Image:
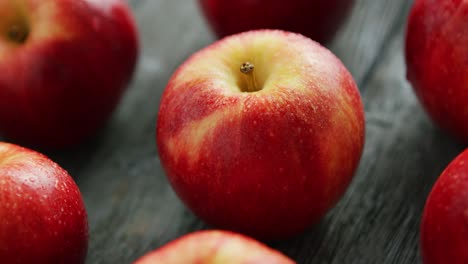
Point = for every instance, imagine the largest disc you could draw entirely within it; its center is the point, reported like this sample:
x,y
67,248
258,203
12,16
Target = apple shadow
x,y
74,159
307,245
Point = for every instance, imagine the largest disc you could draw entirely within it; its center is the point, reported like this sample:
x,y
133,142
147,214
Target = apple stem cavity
x,y
247,68
17,33
16,25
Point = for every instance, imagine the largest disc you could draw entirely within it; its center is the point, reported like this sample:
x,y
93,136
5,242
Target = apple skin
x,y
267,163
214,246
59,86
444,226
318,19
43,218
437,65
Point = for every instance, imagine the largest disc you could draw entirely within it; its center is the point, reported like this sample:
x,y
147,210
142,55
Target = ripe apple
x,y
42,215
318,19
444,227
210,247
261,132
437,61
64,64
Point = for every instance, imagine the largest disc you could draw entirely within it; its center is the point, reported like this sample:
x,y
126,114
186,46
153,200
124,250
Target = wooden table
x,y
132,209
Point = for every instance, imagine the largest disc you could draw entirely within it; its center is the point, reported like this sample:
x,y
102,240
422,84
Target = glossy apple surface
x,y
437,62
317,19
64,65
42,215
213,247
444,227
265,152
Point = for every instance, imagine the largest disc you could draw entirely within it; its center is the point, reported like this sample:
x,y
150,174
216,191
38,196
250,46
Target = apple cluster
x,y
259,133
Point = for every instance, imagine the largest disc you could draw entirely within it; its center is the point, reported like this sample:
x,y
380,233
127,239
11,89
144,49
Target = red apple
x,y
261,132
64,65
317,19
210,247
42,215
444,227
437,61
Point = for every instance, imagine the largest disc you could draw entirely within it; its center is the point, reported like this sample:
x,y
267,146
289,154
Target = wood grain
x,y
132,209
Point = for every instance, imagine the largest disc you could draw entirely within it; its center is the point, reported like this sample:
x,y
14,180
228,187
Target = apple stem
x,y
247,69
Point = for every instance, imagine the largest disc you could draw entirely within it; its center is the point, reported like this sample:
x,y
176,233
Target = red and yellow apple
x,y
261,132
437,62
210,247
444,226
64,65
43,218
317,19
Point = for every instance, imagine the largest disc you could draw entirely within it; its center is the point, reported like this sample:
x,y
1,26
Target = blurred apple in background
x,y
316,19
444,227
437,61
261,132
212,247
64,65
43,218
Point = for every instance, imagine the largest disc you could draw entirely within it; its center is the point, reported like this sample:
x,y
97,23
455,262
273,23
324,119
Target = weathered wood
x,y
132,209
368,31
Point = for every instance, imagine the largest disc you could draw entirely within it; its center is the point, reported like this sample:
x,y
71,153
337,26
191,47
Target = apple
x,y
437,64
64,65
444,225
318,19
42,214
214,246
261,132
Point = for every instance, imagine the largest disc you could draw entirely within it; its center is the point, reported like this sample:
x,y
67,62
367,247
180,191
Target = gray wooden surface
x,y
133,210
